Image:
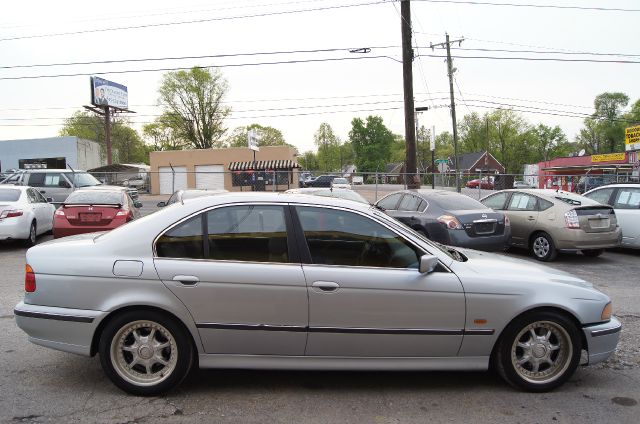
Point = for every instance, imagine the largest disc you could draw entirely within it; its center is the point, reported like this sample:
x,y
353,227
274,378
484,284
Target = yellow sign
x,y
632,135
608,157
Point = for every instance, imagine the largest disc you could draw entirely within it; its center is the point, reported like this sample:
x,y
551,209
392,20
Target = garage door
x,y
210,177
167,182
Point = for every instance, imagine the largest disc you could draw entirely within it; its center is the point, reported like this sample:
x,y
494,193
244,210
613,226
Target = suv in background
x,y
587,183
321,181
57,184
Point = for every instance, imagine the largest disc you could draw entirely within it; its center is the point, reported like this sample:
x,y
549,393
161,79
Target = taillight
x,y
451,222
571,219
122,213
29,279
59,212
11,213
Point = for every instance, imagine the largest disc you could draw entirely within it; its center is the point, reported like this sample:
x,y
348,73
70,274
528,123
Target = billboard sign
x,y
609,157
252,140
108,93
632,138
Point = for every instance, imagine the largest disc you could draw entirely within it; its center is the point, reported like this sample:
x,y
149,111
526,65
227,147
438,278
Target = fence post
x,y
275,180
376,187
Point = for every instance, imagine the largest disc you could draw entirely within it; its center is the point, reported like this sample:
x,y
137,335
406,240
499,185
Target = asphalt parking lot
x,y
42,385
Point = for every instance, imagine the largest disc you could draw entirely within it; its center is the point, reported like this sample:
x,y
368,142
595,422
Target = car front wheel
x,y
145,353
538,351
542,247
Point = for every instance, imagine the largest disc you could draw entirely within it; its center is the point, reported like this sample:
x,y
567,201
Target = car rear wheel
x,y
145,353
538,351
31,239
592,253
542,247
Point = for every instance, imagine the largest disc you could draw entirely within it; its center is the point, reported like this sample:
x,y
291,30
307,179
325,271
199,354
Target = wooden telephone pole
x,y
411,175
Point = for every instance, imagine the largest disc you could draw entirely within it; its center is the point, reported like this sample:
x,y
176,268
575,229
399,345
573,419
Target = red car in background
x,y
91,210
484,184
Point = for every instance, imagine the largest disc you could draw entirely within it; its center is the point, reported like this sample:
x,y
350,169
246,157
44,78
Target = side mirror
x,y
162,204
428,263
50,199
137,204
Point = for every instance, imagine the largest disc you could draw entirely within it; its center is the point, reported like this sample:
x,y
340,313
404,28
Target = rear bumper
x,y
72,231
493,243
580,240
14,228
602,340
68,330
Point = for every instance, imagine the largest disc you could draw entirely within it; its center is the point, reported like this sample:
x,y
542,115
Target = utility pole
x,y
107,134
450,71
407,75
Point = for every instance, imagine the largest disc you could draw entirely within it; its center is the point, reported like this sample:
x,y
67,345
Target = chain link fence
x,y
373,186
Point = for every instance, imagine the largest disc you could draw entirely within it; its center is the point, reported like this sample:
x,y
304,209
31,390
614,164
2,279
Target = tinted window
x,y
54,180
627,198
457,202
9,195
522,202
82,179
544,204
409,203
496,201
248,233
390,202
601,196
36,179
337,237
182,241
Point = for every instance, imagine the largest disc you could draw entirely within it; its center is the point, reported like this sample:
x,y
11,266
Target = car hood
x,y
514,270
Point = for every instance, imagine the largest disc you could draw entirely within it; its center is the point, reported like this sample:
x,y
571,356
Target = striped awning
x,y
263,165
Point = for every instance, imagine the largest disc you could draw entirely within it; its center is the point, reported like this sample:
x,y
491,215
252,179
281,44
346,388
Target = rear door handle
x,y
326,286
187,280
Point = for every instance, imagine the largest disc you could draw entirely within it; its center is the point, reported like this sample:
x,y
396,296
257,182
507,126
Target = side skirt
x,y
336,363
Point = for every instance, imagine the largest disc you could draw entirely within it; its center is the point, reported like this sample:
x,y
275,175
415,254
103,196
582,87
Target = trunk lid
x,y
596,219
90,215
480,222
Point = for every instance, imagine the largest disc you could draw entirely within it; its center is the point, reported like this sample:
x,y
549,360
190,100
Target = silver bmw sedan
x,y
281,281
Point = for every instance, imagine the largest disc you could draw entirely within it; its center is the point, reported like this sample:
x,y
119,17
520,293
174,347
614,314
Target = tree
x,y
269,136
371,142
550,142
162,136
193,106
603,132
124,139
329,153
423,148
398,149
309,161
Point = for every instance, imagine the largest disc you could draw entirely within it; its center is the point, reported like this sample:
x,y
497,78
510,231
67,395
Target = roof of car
x,y
50,170
625,185
14,187
555,195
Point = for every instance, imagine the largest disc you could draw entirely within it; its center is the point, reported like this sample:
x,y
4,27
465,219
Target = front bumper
x,y
602,340
68,330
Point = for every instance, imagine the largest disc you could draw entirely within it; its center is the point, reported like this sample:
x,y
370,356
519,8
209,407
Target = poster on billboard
x,y
108,93
252,140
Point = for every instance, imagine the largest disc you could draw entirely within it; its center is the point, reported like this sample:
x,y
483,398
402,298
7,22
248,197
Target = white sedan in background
x,y
625,199
24,214
340,183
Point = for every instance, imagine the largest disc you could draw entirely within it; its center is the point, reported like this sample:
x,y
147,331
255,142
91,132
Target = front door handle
x,y
326,286
187,280
531,218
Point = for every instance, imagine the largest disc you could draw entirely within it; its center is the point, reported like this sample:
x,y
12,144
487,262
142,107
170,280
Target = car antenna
x,y
73,171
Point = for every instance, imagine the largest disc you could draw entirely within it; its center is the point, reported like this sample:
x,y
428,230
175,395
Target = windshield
x,y
83,179
102,197
456,202
9,195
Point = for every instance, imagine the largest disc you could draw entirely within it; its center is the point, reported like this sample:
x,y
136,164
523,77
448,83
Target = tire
x,y
555,353
592,253
542,247
164,353
32,238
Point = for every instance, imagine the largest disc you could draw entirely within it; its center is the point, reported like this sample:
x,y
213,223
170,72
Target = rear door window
x,y
390,202
496,201
182,241
409,203
627,198
522,202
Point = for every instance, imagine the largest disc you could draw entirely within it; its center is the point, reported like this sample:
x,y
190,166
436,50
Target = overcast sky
x,y
297,97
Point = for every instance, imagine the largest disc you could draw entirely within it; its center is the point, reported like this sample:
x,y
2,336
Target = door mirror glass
x,y
137,204
50,199
161,204
428,264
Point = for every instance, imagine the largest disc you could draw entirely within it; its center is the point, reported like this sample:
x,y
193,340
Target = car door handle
x,y
42,191
326,286
531,218
187,280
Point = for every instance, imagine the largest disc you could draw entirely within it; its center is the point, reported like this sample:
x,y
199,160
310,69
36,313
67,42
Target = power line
x,y
179,68
192,21
211,56
541,59
529,5
548,52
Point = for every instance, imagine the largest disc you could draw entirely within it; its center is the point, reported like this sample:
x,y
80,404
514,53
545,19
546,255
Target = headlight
x,y
606,312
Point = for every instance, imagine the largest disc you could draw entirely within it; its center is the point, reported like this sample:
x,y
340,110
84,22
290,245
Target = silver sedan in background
x,y
282,281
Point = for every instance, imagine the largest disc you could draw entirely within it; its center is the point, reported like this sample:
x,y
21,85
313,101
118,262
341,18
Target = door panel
x,y
384,312
232,299
522,211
